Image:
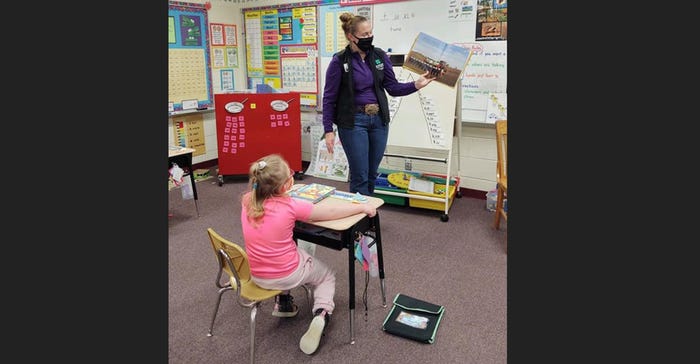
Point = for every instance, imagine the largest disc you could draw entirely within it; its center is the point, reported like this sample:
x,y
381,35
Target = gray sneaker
x,y
309,342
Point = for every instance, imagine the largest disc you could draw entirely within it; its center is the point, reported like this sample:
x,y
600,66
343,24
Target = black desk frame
x,y
184,161
345,239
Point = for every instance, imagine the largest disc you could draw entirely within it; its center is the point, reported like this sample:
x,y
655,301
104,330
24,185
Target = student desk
x,y
341,234
183,158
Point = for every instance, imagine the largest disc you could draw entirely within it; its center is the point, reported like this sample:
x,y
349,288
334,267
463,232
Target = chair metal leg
x,y
216,309
253,312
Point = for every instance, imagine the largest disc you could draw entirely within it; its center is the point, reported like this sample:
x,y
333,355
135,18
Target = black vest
x,y
345,107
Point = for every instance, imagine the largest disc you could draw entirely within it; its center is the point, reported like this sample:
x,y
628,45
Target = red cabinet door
x,y
251,125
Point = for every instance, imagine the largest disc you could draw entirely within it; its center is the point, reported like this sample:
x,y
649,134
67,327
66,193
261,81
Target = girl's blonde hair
x,y
350,22
266,178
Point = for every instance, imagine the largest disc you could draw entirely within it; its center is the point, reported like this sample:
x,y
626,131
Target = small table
x,y
341,233
183,158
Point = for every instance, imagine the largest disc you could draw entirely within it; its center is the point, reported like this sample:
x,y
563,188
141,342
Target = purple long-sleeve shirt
x,y
363,83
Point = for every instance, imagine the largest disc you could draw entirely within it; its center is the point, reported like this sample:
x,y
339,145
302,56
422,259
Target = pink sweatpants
x,y
310,271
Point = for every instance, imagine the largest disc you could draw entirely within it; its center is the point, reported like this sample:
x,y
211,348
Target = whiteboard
x,y
423,119
397,24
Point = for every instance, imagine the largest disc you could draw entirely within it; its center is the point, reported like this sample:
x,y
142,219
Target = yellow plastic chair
x,y
234,261
501,170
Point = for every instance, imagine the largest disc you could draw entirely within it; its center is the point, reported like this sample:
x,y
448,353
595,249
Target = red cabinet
x,y
252,125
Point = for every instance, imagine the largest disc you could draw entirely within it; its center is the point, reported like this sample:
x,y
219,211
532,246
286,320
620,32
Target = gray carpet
x,y
460,264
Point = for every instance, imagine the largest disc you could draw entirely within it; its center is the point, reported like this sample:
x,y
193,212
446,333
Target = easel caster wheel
x,y
221,180
444,217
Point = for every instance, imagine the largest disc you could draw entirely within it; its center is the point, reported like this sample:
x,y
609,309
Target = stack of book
x,y
313,192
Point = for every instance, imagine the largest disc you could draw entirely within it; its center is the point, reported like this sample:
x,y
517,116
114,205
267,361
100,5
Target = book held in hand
x,y
313,192
442,60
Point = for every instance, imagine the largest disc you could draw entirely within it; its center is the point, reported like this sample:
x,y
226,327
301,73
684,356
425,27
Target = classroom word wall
x,y
281,50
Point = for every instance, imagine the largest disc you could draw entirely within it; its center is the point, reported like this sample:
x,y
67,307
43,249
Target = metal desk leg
x,y
351,300
194,189
378,239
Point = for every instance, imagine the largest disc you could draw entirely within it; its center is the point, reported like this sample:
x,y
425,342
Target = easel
x,y
422,128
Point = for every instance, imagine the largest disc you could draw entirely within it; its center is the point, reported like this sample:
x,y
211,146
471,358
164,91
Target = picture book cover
x,y
331,166
313,192
444,60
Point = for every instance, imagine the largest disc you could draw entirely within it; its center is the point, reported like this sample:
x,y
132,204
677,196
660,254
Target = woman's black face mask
x,y
365,43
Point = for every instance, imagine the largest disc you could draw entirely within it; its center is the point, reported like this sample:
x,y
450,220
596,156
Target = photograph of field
x,y
440,59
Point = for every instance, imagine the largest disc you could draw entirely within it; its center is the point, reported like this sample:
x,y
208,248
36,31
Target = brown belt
x,y
369,109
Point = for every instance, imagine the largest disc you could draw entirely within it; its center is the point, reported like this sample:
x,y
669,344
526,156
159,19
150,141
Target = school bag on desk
x,y
413,319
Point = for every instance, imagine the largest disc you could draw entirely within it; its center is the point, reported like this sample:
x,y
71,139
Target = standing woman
x,y
354,99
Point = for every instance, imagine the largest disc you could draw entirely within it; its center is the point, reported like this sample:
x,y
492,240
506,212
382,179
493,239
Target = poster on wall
x,y
189,132
217,34
299,70
230,35
217,57
232,57
227,84
189,67
486,73
497,107
492,20
297,26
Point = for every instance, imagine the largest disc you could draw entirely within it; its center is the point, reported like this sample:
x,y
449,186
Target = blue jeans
x,y
364,145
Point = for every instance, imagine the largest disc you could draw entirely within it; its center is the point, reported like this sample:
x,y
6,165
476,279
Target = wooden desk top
x,y
182,150
346,222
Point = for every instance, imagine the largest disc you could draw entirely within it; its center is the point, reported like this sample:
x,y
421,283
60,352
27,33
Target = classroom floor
x,y
460,264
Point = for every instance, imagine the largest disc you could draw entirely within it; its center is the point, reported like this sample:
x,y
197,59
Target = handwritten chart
x,y
486,73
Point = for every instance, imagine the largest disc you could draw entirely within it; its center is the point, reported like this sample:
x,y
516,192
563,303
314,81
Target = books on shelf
x,y
313,192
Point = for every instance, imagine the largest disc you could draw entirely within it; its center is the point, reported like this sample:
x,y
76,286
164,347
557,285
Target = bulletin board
x,y
189,67
281,50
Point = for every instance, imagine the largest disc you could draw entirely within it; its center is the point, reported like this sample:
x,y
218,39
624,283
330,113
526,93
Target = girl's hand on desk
x,y
370,210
